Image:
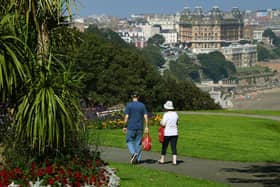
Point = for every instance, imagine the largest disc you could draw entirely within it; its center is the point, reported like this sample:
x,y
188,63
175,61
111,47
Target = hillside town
x,y
236,34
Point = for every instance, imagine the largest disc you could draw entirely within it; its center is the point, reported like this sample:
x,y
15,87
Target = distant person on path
x,y
170,123
135,115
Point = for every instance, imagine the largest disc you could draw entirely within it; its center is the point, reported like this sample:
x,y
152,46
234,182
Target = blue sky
x,y
123,8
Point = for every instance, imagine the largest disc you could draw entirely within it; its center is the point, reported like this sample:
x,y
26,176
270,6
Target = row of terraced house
x,y
200,31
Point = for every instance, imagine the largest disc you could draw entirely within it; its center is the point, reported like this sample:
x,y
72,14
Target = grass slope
x,y
213,137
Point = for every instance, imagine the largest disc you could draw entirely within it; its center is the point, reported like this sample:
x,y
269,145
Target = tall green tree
x,y
215,66
184,68
153,55
157,40
263,53
272,37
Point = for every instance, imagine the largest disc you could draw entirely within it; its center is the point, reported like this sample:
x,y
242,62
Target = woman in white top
x,y
169,122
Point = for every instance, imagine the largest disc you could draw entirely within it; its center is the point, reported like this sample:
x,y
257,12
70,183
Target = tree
x,y
153,55
272,37
215,66
184,69
114,72
186,96
263,53
269,33
157,40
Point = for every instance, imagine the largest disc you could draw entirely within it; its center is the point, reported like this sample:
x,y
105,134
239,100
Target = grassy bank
x,y
213,137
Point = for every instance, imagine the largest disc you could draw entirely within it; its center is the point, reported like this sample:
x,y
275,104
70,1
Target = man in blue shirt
x,y
135,115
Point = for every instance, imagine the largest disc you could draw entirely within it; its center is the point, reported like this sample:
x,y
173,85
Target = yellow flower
x,y
104,125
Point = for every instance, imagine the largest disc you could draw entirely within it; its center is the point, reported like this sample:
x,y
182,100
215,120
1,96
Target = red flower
x,y
3,172
49,169
78,184
75,173
17,171
93,179
61,172
70,172
64,181
51,181
89,164
57,178
97,162
47,162
78,176
86,178
41,172
33,165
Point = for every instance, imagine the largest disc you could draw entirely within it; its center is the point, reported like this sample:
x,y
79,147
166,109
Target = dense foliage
x,y
269,52
212,66
272,37
265,53
115,70
185,69
215,66
41,118
153,55
41,91
156,40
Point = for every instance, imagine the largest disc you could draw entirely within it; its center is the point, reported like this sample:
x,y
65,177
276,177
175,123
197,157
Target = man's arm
x,y
146,130
125,123
125,120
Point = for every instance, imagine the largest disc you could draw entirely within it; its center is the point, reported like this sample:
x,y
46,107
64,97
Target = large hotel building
x,y
210,30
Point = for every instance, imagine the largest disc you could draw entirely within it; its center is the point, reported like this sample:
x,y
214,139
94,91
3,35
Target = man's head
x,y
135,95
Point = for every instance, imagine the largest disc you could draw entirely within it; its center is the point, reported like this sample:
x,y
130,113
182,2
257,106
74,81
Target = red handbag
x,y
147,142
161,134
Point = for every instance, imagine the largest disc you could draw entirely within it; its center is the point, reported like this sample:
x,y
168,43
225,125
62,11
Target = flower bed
x,y
76,172
116,121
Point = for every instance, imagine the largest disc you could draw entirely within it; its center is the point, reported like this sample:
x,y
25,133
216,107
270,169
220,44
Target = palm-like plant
x,y
50,110
12,56
47,111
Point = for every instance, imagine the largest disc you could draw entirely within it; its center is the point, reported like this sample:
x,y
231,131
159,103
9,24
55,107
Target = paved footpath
x,y
237,174
234,173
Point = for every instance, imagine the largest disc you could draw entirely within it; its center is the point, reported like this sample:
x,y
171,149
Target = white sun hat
x,y
168,105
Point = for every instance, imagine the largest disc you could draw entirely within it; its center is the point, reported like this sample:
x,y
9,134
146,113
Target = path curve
x,y
238,174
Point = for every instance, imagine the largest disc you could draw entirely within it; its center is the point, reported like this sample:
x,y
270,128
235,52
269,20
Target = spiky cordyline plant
x,y
50,110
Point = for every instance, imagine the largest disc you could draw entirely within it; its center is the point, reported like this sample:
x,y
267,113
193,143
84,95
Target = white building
x,y
170,36
167,22
79,24
149,30
241,55
258,35
224,100
125,36
133,36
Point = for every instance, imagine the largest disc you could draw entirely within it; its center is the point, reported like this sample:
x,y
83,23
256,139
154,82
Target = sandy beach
x,y
260,100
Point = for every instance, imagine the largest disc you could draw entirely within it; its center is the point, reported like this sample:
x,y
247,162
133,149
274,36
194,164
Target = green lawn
x,y
255,112
213,137
130,176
